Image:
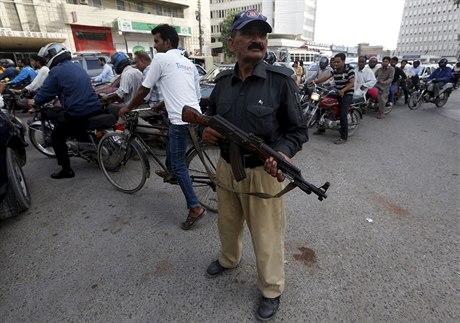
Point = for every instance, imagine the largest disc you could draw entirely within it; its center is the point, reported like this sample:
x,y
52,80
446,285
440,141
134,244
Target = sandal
x,y
190,221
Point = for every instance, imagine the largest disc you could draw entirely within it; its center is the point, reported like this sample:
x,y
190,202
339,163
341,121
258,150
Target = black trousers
x,y
344,103
66,126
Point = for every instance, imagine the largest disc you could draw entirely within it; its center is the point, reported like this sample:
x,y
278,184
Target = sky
x,y
367,21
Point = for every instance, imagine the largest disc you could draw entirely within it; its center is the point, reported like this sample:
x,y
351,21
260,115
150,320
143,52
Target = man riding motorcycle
x,y
79,102
440,76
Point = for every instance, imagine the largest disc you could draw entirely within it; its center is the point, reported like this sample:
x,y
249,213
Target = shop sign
x,y
143,27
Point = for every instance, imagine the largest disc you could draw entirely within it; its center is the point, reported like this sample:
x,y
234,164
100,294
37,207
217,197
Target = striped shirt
x,y
341,79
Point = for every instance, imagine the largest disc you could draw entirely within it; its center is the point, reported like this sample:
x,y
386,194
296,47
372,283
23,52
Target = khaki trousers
x,y
383,98
265,219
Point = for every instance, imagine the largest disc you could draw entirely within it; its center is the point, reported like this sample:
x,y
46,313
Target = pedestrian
x,y
298,72
260,99
384,76
178,80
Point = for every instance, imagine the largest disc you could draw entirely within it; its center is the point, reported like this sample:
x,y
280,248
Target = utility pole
x,y
200,31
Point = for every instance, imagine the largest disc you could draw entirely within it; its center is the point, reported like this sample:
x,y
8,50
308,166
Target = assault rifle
x,y
254,144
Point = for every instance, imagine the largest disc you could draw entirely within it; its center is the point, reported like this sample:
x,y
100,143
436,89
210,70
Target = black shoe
x,y
267,308
319,132
215,269
340,141
63,173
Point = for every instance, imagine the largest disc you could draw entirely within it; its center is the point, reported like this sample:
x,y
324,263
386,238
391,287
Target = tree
x,y
225,32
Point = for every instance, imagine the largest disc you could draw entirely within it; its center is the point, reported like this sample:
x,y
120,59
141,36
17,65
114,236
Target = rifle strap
x,y
261,195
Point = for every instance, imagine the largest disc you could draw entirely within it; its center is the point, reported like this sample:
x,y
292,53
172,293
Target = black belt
x,y
249,161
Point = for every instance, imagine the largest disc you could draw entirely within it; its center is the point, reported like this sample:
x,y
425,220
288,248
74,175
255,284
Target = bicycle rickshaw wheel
x,y
125,164
203,185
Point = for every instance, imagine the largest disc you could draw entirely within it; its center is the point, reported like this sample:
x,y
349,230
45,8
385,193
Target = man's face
x,y
385,62
20,63
442,65
393,63
416,64
372,63
161,46
361,63
249,43
403,64
101,63
34,63
338,63
140,64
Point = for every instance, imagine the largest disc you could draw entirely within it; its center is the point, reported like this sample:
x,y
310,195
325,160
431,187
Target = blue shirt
x,y
105,76
9,72
443,75
72,85
26,75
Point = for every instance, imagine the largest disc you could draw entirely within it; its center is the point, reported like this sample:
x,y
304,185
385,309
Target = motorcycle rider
x,y
9,69
440,76
384,76
324,70
364,77
415,71
399,79
79,102
39,64
130,81
373,64
25,76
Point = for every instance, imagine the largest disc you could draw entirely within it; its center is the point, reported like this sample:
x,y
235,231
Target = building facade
x,y
429,29
101,25
293,20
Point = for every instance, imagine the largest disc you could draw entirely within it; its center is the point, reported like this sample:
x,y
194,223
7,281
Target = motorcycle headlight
x,y
314,96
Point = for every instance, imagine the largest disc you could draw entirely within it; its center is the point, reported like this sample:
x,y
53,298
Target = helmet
x,y
270,57
443,61
119,61
323,62
54,53
6,62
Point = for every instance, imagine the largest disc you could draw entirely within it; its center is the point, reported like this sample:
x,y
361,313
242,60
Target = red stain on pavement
x,y
307,256
390,206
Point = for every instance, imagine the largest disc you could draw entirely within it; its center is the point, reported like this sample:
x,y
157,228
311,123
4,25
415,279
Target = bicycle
x,y
123,158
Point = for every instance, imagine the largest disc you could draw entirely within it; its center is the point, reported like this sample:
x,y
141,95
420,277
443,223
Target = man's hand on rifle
x,y
271,167
211,137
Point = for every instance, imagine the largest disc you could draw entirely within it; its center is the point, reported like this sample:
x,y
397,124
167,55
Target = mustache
x,y
256,46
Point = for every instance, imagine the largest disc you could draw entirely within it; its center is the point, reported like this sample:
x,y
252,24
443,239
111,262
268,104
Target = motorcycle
x,y
14,192
372,102
325,103
41,126
423,95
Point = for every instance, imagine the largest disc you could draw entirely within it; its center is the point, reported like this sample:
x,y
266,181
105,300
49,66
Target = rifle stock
x,y
256,145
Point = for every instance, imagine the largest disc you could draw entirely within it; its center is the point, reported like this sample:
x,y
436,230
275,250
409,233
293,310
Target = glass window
x,y
121,5
97,3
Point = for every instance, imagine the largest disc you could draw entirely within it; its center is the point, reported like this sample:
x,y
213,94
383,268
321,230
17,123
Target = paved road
x,y
87,253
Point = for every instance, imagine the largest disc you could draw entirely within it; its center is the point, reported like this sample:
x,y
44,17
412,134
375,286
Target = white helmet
x,y
51,51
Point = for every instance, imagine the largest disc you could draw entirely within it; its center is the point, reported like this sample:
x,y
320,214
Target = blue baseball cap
x,y
245,17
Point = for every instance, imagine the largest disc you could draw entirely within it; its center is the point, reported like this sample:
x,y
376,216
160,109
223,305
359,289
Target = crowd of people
x,y
260,98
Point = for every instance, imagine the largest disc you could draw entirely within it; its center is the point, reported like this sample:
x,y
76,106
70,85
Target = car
x,y
14,192
90,64
201,70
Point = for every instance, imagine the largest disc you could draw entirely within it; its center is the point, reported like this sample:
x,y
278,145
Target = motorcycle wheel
x,y
415,100
42,141
17,181
353,122
442,100
310,116
388,108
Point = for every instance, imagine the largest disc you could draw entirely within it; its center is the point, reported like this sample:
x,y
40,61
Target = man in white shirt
x,y
39,64
106,74
364,77
414,73
178,80
373,64
130,81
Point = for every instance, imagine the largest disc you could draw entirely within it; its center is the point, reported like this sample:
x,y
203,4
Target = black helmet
x,y
270,57
443,61
323,62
